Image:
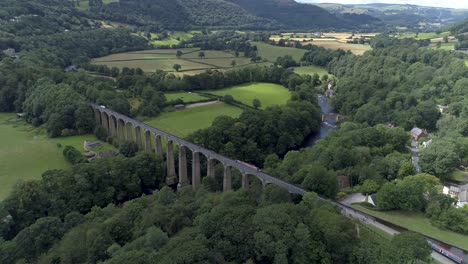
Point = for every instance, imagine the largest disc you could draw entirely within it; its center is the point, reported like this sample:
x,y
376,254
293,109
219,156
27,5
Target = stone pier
x,y
148,147
196,169
171,174
129,134
138,137
227,179
158,145
210,168
245,181
183,179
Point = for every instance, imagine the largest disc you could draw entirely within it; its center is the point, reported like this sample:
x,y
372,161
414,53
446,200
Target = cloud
x,y
438,3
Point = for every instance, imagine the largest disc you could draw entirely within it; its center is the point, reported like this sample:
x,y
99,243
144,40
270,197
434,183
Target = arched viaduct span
x,y
122,127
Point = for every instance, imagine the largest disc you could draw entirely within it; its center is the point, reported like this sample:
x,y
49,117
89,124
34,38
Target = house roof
x,y
417,131
463,196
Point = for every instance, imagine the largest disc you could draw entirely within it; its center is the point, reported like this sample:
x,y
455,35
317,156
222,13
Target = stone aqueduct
x,y
124,128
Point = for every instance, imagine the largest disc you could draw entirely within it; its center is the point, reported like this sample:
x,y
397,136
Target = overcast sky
x,y
441,3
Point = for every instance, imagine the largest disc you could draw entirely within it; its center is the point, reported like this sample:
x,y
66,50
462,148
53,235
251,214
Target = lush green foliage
x,y
406,77
254,133
202,227
358,151
79,189
72,155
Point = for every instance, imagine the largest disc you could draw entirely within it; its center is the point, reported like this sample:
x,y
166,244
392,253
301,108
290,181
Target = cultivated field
x,y
184,122
418,223
185,96
329,40
268,94
310,70
24,154
357,49
164,59
270,52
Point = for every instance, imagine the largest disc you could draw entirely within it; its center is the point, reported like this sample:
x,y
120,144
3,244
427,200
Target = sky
x,y
439,3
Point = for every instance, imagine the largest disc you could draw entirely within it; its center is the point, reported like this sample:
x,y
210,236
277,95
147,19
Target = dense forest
x,y
96,224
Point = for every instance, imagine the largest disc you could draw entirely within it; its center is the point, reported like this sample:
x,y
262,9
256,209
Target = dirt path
x,y
201,104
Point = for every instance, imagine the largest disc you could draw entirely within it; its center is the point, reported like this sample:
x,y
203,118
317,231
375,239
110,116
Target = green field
x,y
268,94
186,97
418,223
184,122
310,70
270,52
164,59
443,46
173,39
78,141
24,154
83,5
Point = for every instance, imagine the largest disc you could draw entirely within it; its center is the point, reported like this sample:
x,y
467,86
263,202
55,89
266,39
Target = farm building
x,y
418,133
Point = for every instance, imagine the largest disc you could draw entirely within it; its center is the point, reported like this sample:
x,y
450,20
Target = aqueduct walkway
x,y
122,127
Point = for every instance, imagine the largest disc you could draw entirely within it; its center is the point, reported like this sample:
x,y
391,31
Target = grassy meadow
x,y
24,153
270,52
268,93
415,221
185,96
164,59
310,70
184,122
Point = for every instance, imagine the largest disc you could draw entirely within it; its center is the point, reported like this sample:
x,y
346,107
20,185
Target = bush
x,y
128,149
72,155
101,133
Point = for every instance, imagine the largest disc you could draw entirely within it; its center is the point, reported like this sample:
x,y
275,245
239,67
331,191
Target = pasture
x,y
416,221
310,70
268,93
184,122
184,96
270,52
24,153
164,59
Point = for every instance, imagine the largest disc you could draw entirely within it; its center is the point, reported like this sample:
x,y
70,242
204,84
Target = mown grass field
x,y
185,96
418,223
310,70
164,59
184,122
270,52
268,93
24,154
78,141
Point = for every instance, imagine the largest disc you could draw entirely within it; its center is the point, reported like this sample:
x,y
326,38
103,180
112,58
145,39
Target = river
x,y
328,124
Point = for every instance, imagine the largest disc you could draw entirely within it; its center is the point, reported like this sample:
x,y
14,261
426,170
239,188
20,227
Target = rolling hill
x,y
238,14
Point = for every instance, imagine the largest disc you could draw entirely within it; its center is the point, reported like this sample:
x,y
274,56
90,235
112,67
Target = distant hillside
x,y
410,16
459,27
159,15
182,14
241,14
